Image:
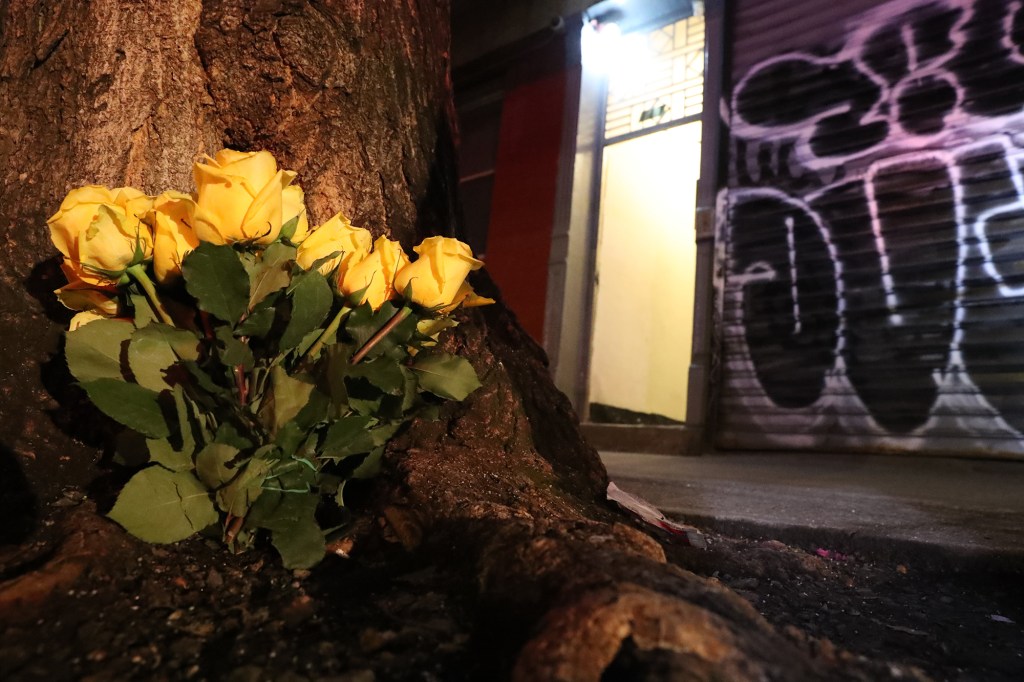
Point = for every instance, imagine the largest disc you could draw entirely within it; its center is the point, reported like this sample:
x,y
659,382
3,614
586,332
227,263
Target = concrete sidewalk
x,y
951,508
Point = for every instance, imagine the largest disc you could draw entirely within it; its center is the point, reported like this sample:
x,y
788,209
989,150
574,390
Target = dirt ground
x,y
954,624
94,604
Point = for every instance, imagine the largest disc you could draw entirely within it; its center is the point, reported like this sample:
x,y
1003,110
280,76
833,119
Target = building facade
x,y
857,273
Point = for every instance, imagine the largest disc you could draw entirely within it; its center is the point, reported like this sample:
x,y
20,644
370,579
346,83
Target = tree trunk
x,y
502,495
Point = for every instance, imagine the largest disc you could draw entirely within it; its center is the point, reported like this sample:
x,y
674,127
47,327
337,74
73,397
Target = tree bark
x,y
355,96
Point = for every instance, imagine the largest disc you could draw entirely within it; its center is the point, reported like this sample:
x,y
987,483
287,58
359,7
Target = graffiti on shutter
x,y
873,237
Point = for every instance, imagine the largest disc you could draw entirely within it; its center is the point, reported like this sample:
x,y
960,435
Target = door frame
x,y
569,314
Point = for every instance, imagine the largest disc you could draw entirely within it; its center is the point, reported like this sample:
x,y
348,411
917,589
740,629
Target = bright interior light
x,y
634,64
600,45
627,60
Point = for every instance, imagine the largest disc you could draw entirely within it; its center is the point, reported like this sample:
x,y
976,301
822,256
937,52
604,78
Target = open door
x,y
643,255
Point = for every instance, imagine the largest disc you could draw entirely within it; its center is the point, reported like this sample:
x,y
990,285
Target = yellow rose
x,y
241,197
375,273
172,218
293,205
100,232
465,297
337,234
83,318
439,273
79,295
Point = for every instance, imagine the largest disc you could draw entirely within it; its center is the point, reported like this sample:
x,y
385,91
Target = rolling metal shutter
x,y
872,228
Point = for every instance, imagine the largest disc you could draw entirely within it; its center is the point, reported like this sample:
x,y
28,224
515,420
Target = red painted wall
x,y
523,202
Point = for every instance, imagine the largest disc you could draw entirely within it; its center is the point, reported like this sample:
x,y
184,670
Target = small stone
x,y
353,676
745,584
301,609
200,629
372,639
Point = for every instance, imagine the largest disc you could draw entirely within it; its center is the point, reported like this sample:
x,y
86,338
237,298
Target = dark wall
x,y
873,230
512,107
523,203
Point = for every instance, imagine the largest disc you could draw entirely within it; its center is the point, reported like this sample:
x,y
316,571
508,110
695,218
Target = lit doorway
x,y
645,248
643,298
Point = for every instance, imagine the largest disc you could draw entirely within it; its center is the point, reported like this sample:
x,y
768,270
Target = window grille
x,y
659,80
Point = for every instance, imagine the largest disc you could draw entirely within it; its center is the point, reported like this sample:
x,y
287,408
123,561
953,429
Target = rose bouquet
x,y
259,365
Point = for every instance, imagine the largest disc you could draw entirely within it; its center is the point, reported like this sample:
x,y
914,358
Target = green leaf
x,y
184,407
365,406
162,506
337,368
233,351
288,228
314,411
289,438
229,435
290,476
363,323
272,272
213,464
381,372
281,505
143,312
323,260
238,496
447,376
258,389
302,545
291,518
163,453
155,348
309,339
392,406
346,436
205,381
216,278
94,351
128,404
410,396
259,322
290,396
311,302
370,466
362,442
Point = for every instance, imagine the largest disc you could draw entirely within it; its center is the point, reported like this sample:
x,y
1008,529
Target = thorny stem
x,y
138,273
233,524
381,333
240,379
243,385
207,327
331,328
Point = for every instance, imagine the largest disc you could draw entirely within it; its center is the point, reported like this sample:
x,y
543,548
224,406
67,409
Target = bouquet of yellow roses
x,y
258,365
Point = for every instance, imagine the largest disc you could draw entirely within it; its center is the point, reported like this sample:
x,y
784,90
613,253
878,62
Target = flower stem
x,y
330,329
243,385
232,526
138,273
381,333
